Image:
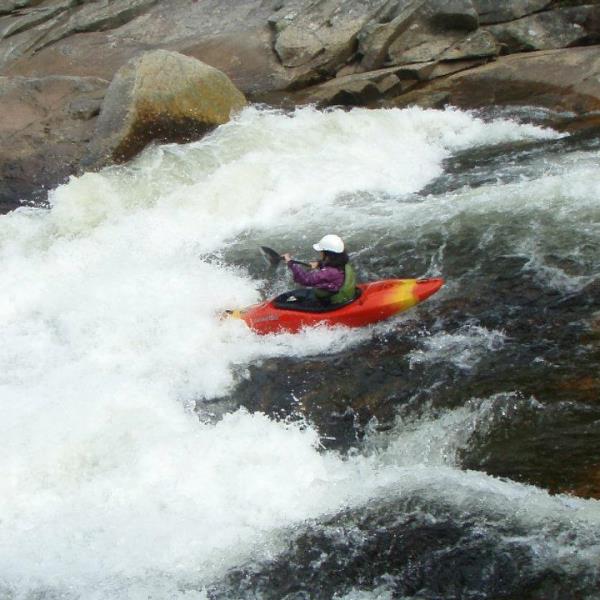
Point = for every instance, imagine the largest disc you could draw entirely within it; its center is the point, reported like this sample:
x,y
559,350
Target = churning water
x,y
123,475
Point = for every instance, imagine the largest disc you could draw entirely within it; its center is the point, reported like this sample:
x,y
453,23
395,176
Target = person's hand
x,y
287,257
314,264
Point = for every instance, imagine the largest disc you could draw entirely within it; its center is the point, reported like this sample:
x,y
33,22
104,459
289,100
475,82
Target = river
x,y
153,450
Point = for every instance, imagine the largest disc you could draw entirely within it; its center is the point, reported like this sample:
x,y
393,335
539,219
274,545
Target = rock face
x,y
161,96
492,11
47,22
44,130
547,30
276,51
567,80
321,37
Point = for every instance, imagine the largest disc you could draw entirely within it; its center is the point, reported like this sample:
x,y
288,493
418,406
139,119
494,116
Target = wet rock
x,y
162,96
407,547
548,30
492,11
46,125
367,387
589,484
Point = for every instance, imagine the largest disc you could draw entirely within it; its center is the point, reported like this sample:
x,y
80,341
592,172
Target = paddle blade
x,y
272,257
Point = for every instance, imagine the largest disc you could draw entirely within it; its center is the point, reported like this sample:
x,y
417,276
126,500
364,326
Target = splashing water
x,y
112,487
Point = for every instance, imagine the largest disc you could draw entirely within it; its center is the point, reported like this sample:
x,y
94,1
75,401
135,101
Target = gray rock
x,y
561,80
231,35
358,89
495,11
97,16
12,25
285,14
41,138
8,6
246,57
323,36
24,43
445,68
85,108
418,45
434,28
548,30
376,37
480,44
454,14
161,96
35,28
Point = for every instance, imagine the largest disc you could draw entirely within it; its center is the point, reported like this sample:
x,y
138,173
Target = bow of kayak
x,y
378,301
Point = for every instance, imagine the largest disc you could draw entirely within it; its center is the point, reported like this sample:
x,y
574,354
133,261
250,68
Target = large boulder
x,y
45,127
160,96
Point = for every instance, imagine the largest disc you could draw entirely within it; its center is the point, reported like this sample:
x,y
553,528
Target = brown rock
x,y
246,57
46,125
161,96
567,80
589,484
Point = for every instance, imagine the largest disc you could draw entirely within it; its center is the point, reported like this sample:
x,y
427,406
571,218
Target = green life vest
x,y
345,293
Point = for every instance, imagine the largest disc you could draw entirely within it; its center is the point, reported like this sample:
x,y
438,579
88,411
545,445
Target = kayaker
x,y
332,278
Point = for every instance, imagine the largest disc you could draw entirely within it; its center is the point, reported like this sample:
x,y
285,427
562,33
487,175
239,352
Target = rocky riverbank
x,y
61,113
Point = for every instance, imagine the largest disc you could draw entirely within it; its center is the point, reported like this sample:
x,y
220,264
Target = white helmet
x,y
330,243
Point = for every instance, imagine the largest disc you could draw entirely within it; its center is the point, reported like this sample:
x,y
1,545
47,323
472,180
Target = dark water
x,y
516,330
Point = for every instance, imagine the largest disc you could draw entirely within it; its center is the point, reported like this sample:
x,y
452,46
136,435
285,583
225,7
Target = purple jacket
x,y
325,278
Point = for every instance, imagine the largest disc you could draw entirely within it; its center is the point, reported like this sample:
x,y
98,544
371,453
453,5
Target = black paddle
x,y
274,258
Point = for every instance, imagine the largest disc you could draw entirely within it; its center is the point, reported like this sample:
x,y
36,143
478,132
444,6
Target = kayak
x,y
375,302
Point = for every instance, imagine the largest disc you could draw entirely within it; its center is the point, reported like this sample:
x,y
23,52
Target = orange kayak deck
x,y
378,301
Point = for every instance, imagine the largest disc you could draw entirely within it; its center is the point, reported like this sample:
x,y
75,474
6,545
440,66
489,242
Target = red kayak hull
x,y
378,301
